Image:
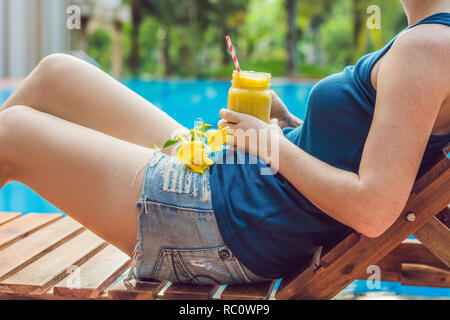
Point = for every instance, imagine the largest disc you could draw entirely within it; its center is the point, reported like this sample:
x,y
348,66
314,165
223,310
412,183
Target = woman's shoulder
x,y
430,38
420,58
424,50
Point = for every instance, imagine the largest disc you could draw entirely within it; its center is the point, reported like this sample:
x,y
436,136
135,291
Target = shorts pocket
x,y
209,266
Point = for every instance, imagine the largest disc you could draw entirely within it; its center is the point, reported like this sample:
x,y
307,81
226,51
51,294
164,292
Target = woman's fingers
x,y
232,116
224,123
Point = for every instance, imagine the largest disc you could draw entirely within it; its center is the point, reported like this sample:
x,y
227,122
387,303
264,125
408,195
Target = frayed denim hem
x,y
138,252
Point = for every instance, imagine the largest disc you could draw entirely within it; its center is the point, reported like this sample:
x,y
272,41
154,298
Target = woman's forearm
x,y
339,193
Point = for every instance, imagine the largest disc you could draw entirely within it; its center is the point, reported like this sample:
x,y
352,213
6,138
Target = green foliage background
x,y
331,35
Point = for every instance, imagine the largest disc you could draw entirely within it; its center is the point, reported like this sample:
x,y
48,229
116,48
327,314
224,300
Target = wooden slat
x,y
121,290
180,291
410,251
291,284
8,216
14,296
342,247
29,249
420,275
158,290
45,272
253,291
21,227
431,197
97,274
444,216
436,237
441,165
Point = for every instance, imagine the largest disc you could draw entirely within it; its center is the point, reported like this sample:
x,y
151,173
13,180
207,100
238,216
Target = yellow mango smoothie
x,y
250,94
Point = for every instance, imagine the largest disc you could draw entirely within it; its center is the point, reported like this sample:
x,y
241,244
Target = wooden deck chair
x,y
43,255
424,263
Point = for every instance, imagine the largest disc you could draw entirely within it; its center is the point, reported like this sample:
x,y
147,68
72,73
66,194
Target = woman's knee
x,y
55,67
11,121
10,116
44,81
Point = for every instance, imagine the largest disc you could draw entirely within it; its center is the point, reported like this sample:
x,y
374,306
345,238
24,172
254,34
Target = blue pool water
x,y
186,100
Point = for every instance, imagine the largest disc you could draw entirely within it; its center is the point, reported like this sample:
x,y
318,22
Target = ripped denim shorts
x,y
178,236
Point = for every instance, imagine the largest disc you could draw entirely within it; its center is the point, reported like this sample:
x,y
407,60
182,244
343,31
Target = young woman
x,y
79,138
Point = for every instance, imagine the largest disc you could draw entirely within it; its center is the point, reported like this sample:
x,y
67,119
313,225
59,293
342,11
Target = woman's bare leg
x,y
85,173
78,92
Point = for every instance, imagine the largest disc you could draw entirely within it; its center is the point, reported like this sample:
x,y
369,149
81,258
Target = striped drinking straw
x,y
233,54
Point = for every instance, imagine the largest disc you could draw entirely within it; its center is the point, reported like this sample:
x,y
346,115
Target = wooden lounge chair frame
x,y
424,261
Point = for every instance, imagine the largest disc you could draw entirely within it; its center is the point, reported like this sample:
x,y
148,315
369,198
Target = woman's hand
x,y
250,134
280,112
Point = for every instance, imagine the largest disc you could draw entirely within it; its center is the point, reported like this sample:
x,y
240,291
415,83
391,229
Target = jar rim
x,y
251,79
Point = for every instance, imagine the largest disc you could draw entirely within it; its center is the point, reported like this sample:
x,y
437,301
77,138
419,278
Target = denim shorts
x,y
178,236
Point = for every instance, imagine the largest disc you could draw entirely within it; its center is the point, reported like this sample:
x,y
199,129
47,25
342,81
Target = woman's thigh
x,y
94,178
76,91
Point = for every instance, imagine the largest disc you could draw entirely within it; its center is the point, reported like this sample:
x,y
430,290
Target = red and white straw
x,y
233,54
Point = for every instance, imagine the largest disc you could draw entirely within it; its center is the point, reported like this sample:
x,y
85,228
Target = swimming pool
x,y
186,100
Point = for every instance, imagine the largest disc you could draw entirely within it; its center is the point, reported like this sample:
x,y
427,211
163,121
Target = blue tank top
x,y
270,226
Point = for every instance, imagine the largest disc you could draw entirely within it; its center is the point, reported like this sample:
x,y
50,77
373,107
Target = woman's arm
x,y
280,112
413,81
